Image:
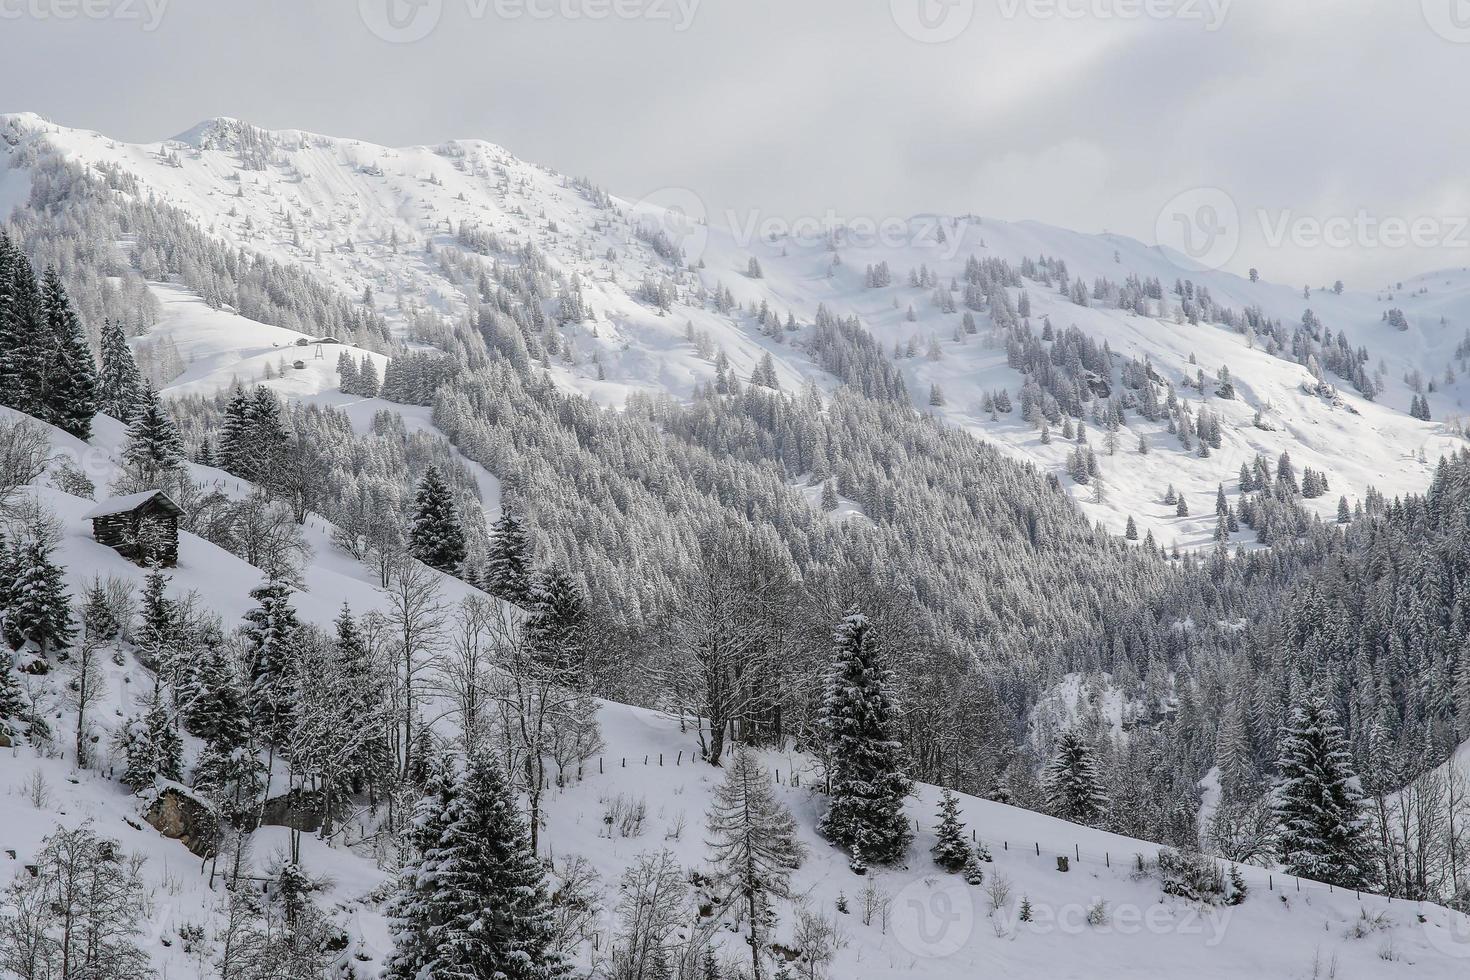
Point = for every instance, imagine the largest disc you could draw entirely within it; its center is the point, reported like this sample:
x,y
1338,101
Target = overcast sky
x,y
1092,114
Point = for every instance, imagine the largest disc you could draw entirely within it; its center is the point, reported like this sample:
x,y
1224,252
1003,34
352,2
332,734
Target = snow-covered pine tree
x,y
508,565
753,843
120,388
367,378
38,608
154,451
416,920
70,386
270,642
438,537
347,373
868,785
12,699
151,746
951,851
22,333
473,902
217,713
1322,830
267,436
155,633
232,448
829,496
557,627
1074,789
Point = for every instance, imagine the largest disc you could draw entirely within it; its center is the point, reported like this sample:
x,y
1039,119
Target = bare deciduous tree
x,y
24,452
415,618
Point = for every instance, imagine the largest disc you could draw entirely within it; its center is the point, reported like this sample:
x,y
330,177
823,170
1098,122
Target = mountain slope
x,y
899,922
360,218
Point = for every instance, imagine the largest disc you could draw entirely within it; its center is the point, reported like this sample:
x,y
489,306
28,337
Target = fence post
x,y
680,761
1078,848
660,759
599,765
1038,848
1107,859
1270,883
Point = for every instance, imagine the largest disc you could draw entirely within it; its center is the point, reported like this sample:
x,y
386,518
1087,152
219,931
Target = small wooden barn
x,y
142,527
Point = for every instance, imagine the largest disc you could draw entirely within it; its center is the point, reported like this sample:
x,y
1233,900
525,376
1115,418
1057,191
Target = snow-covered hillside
x,y
359,218
1103,916
412,233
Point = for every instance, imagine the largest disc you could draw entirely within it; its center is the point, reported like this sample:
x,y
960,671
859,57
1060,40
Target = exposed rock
x,y
297,809
179,815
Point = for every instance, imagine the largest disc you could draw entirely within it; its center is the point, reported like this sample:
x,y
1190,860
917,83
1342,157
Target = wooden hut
x,y
142,527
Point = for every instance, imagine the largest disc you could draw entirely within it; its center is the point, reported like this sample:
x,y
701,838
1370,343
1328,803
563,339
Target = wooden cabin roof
x,y
128,503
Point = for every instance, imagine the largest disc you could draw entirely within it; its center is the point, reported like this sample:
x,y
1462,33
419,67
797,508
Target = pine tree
x,y
151,746
270,634
233,450
473,902
155,634
71,374
951,851
23,350
12,699
367,378
753,843
418,922
168,748
557,627
120,386
154,451
437,538
1322,829
267,436
38,608
868,785
218,713
829,496
1074,790
1232,754
508,566
347,372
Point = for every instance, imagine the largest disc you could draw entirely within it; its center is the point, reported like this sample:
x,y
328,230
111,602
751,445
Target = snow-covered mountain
x,y
360,218
414,234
